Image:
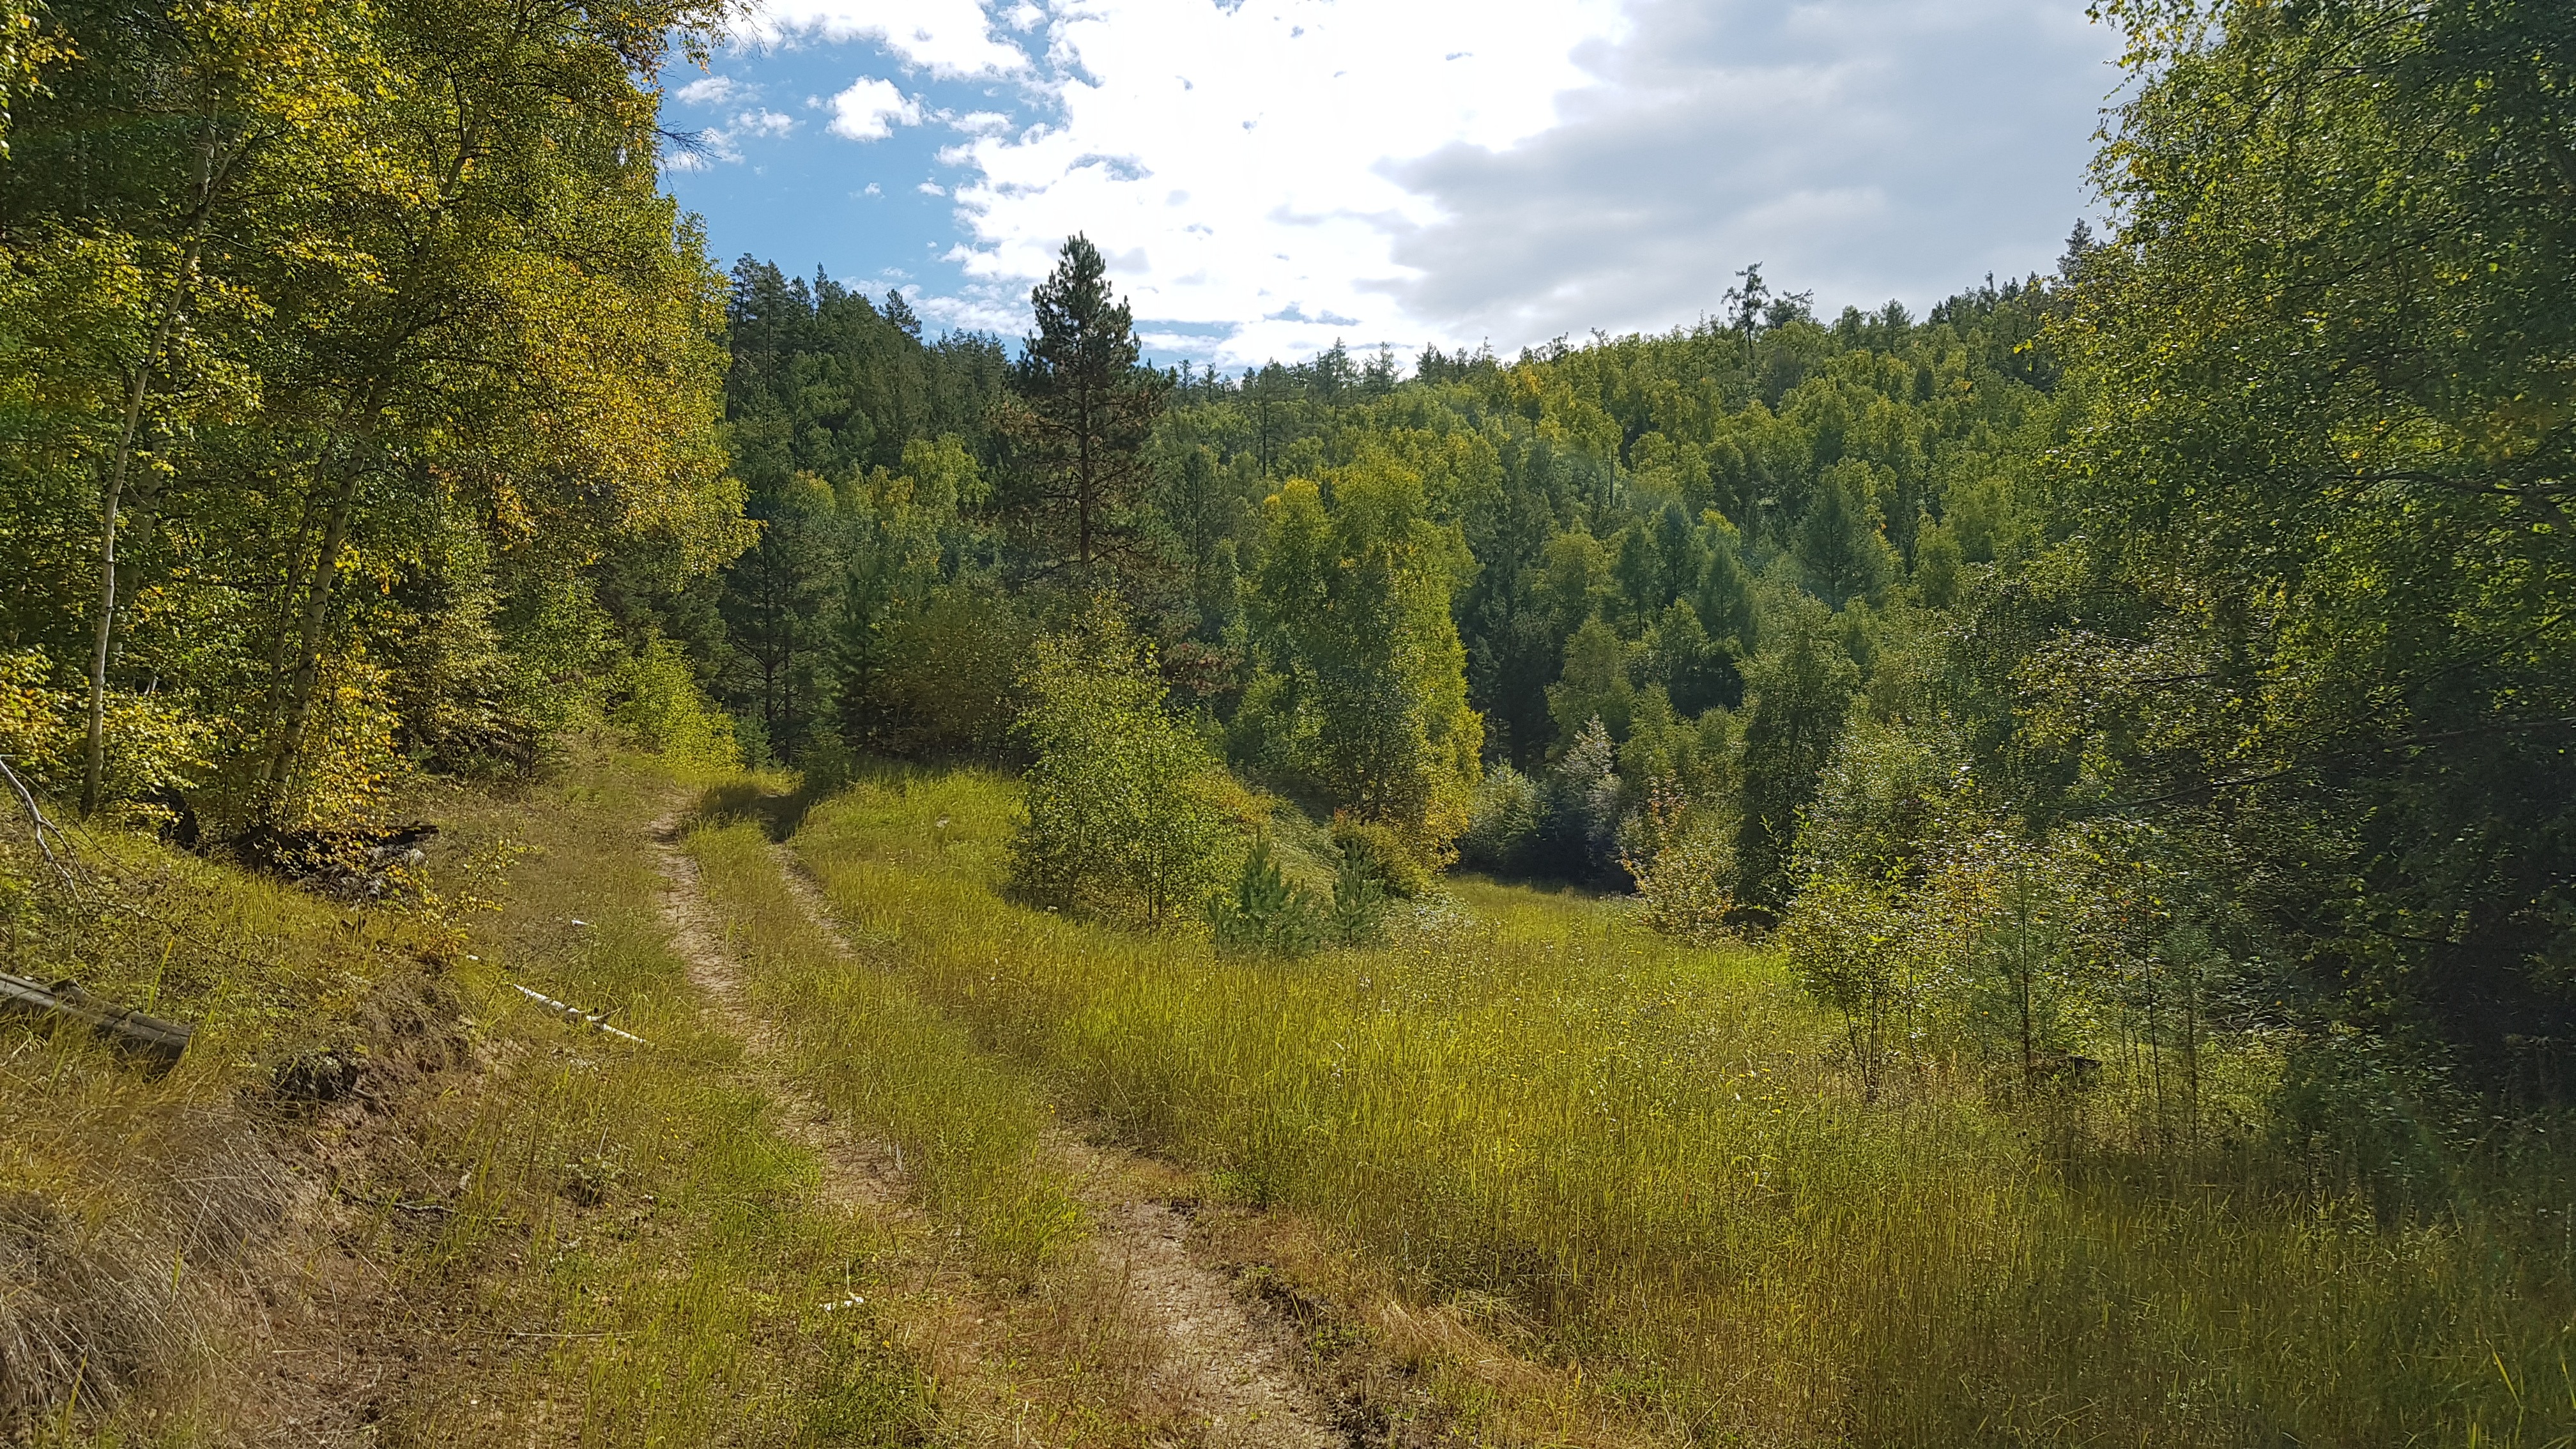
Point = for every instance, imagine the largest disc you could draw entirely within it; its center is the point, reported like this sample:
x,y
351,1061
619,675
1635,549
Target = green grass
x,y
640,1202
1532,1110
534,1233
866,1045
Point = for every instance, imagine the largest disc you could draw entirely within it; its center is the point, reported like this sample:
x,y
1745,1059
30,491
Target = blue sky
x,y
1270,176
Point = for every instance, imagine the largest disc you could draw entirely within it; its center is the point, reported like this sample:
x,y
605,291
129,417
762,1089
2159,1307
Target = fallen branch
x,y
164,1041
595,1020
45,831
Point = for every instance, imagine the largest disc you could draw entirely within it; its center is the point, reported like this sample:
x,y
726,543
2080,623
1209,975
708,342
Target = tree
x,y
1841,556
1083,411
1800,689
1119,805
1353,601
411,344
2315,605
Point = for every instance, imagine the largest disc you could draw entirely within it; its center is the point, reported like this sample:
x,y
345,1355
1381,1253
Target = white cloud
x,y
870,110
1234,164
764,123
712,90
1866,149
1275,174
943,37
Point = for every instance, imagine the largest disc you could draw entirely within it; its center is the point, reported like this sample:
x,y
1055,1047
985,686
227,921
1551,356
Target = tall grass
x,y
1530,1103
968,1130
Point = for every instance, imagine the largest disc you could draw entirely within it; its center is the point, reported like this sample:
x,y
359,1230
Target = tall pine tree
x,y
1084,409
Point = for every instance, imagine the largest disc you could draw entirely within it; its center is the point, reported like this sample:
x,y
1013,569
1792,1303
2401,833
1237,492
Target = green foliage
x,y
1683,861
1503,823
1122,813
1853,950
1375,851
1800,689
1360,890
1266,915
655,696
1353,607
1840,552
369,336
1081,413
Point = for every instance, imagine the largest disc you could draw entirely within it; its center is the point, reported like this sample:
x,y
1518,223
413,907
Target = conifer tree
x,y
1084,409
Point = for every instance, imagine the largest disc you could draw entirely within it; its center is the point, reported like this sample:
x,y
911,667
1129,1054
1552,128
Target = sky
x,y
1269,177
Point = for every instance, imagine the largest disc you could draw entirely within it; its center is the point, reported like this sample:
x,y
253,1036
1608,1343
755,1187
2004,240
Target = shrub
x,y
1377,852
152,744
1684,868
1122,807
654,696
1503,823
1358,916
1852,949
1265,915
945,680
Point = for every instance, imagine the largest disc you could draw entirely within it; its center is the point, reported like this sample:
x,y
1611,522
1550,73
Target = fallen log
x,y
128,1029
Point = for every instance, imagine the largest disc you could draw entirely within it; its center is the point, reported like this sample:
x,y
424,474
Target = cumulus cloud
x,y
1269,175
870,110
943,37
764,123
712,90
1234,161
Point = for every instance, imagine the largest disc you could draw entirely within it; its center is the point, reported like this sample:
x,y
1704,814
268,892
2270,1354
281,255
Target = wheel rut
x,y
1221,1368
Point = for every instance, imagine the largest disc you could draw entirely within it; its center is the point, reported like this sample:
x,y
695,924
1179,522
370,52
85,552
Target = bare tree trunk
x,y
308,662
138,385
94,759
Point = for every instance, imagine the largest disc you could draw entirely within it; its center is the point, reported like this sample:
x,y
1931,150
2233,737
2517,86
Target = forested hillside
x,y
369,411
2197,607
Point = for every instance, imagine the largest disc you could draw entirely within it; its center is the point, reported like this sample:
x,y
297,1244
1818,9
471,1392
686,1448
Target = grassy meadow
x,y
1641,1163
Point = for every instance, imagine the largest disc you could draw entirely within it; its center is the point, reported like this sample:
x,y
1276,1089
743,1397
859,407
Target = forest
x,y
2094,756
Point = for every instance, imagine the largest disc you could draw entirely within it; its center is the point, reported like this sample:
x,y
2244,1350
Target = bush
x,y
1503,823
654,696
1684,868
1358,915
1122,807
945,680
152,744
1853,950
1265,915
1378,853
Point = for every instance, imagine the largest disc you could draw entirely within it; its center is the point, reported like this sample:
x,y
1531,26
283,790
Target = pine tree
x,y
1084,410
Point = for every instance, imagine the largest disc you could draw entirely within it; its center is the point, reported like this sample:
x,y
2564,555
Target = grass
x,y
966,1130
1592,1187
1639,1161
514,1222
638,1210
1033,1336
